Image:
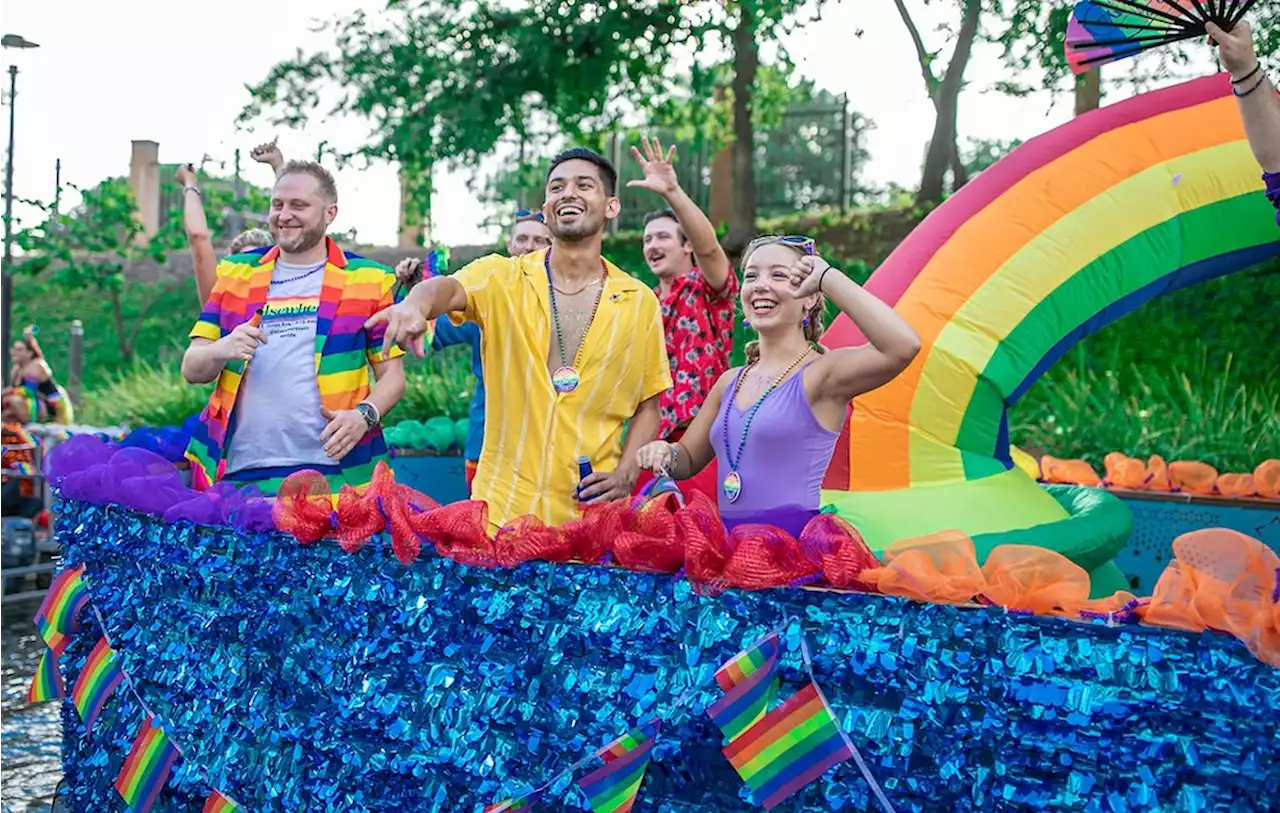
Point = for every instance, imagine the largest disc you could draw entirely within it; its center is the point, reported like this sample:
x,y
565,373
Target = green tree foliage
x,y
94,246
444,80
980,153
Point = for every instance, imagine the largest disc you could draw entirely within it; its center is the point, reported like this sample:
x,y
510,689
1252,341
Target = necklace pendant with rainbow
x,y
732,483
565,378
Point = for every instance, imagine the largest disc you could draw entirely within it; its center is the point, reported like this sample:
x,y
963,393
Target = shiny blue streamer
x,y
307,679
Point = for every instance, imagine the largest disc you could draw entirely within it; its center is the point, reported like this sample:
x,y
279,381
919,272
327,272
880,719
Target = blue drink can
x,y
584,469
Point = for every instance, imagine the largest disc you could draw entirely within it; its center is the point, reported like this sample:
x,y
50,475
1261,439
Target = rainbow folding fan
x,y
1102,31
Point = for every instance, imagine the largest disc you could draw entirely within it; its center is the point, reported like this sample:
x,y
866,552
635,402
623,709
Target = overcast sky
x,y
175,73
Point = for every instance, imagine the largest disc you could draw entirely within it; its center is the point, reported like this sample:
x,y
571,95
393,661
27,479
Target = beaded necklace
x,y
732,483
566,379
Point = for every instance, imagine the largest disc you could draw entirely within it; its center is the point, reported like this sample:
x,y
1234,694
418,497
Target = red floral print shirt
x,y
698,323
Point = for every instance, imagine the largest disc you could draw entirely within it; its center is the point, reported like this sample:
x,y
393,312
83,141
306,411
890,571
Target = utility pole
x,y
6,283
57,186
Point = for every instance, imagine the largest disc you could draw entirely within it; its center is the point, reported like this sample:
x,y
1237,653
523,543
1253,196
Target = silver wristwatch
x,y
370,414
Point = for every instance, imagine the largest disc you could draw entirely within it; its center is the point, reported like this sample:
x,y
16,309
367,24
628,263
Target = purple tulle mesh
x,y
84,468
169,442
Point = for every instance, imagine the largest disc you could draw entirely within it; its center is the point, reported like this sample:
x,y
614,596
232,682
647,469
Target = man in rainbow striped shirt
x,y
297,311
1258,102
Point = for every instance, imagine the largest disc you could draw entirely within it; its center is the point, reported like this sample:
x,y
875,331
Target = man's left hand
x,y
346,428
599,486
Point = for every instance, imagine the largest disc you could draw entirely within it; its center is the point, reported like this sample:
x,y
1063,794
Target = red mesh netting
x,y
840,550
459,531
763,556
304,507
526,539
705,547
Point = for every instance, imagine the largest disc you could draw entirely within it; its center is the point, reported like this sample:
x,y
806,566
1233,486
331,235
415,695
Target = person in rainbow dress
x,y
771,426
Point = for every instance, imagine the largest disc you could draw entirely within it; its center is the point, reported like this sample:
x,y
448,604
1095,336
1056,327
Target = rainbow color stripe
x,y
745,704
58,617
613,788
792,746
98,679
353,290
146,769
1102,33
46,683
512,805
217,803
1068,233
763,654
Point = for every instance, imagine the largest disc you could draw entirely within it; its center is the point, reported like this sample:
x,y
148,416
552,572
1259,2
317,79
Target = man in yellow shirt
x,y
572,348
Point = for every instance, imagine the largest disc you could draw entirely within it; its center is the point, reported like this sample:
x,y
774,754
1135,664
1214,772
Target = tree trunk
x,y
1089,91
959,175
746,59
126,349
942,146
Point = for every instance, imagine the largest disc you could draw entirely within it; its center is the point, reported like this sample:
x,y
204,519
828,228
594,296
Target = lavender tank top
x,y
783,460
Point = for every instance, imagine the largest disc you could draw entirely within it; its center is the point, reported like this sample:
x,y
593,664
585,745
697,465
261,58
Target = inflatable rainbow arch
x,y
1071,231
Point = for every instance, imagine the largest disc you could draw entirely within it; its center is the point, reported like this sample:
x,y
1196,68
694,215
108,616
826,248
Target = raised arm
x,y
660,177
203,258
840,375
269,154
1255,94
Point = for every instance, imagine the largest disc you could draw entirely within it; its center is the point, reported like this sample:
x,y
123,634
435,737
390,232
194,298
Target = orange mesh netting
x,y
1219,579
1185,476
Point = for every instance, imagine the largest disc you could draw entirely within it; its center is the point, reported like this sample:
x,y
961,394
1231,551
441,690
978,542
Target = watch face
x,y
367,413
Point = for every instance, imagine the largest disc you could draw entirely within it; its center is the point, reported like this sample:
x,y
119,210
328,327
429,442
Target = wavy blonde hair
x,y
812,324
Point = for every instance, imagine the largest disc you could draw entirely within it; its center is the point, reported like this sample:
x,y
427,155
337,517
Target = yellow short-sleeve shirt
x,y
533,436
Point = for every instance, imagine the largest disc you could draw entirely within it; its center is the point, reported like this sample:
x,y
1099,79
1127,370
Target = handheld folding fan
x,y
1102,31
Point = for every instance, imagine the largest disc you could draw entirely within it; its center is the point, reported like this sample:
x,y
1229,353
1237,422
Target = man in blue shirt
x,y
529,233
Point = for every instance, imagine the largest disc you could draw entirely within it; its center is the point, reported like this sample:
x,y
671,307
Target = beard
x,y
586,226
304,240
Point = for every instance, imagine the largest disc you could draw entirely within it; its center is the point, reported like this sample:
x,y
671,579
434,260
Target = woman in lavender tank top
x,y
772,425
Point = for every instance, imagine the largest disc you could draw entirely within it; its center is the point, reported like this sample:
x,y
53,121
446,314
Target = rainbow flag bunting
x,y
146,769
763,654
613,788
98,679
217,803
58,616
792,746
750,690
512,805
47,683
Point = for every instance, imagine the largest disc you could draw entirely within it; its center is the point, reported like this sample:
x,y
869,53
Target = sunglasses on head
x,y
799,241
530,214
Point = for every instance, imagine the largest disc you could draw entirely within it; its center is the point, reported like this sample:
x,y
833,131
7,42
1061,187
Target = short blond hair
x,y
328,188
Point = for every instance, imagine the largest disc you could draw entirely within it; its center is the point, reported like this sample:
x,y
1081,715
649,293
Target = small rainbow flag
x,y
746,703
512,805
58,616
146,769
761,654
613,788
98,679
792,746
217,803
47,684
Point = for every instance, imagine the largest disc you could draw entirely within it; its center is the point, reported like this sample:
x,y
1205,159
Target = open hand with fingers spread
x,y
241,343
659,172
1235,48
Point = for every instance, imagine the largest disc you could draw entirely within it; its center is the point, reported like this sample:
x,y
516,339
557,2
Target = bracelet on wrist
x,y
675,458
1247,76
195,189
823,277
1255,86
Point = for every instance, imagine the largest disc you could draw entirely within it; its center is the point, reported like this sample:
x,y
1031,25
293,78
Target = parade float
x,y
952,635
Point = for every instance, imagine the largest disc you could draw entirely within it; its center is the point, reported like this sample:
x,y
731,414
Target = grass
x,y
1205,412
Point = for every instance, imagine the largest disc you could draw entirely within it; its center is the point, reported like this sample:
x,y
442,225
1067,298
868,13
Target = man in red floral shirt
x,y
698,291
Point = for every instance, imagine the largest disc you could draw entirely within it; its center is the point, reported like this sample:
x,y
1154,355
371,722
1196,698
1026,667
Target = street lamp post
x,y
6,280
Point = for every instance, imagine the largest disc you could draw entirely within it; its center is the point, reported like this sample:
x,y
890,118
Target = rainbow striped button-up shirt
x,y
354,289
